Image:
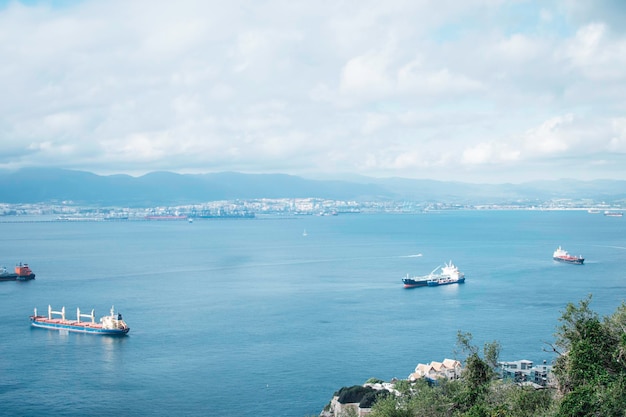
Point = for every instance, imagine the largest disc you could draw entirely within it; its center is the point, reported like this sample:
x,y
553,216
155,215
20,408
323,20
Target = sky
x,y
481,91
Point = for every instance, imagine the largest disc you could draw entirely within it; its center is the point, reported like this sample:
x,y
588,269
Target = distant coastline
x,y
254,209
284,207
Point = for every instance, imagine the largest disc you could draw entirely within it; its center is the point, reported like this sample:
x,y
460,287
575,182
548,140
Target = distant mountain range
x,y
49,185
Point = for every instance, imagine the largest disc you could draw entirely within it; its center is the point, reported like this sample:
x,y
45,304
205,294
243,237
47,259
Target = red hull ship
x,y
562,255
22,273
111,325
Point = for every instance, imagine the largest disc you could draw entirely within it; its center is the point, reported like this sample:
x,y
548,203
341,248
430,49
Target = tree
x,y
390,407
590,369
476,376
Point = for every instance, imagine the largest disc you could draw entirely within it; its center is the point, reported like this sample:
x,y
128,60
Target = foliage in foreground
x,y
591,367
590,374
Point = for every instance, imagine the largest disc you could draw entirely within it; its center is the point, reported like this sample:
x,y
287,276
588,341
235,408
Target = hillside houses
x,y
448,369
525,372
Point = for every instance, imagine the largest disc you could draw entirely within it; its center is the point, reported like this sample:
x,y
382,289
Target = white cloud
x,y
322,92
550,137
365,75
374,122
64,122
394,88
413,79
486,153
519,48
596,54
617,142
138,147
586,43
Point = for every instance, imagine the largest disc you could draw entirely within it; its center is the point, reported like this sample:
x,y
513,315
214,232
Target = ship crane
x,y
88,316
61,313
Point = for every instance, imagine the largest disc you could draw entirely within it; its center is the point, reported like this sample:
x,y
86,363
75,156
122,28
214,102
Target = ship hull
x,y
412,283
575,261
77,327
16,277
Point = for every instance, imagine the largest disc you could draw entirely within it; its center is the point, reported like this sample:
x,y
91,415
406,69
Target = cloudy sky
x,y
473,90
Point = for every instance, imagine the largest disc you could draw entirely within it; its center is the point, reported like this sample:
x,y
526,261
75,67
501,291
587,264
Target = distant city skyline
x,y
483,91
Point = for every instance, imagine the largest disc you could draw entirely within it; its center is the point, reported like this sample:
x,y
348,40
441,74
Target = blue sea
x,y
251,318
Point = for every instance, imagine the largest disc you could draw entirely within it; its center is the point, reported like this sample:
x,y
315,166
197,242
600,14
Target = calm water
x,y
250,318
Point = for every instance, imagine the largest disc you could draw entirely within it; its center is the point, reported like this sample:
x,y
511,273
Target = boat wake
x,y
411,256
612,247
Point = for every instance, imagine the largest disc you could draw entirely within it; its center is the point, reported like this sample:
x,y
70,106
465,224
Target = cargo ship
x,y
111,325
22,273
166,217
562,255
449,274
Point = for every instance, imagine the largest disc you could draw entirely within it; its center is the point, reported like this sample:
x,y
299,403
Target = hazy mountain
x,y
32,185
596,190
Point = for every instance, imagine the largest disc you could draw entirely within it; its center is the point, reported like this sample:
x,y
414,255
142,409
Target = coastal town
x,y
72,211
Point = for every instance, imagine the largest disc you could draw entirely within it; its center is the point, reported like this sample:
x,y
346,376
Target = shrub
x,y
371,398
353,394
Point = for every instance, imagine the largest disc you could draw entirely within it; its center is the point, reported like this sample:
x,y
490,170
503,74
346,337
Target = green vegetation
x,y
591,367
353,394
374,381
590,377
